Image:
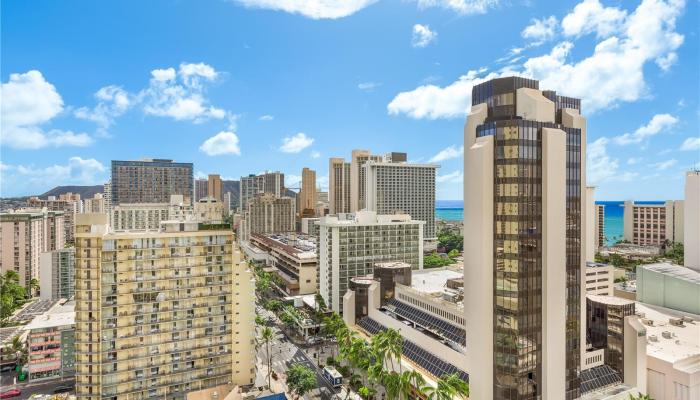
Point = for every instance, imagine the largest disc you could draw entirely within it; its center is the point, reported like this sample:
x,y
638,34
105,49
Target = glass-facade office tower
x,y
523,189
150,181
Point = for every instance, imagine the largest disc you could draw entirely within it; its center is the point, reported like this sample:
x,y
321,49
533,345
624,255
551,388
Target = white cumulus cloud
x,y
296,143
448,153
599,165
590,16
540,30
266,117
463,7
658,123
452,177
314,9
663,165
422,35
28,102
222,143
112,102
691,144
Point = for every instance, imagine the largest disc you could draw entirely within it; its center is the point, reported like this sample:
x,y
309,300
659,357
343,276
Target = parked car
x,y
8,367
10,394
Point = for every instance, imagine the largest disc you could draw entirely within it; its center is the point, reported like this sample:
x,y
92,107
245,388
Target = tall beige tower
x,y
338,186
524,219
214,188
308,191
160,313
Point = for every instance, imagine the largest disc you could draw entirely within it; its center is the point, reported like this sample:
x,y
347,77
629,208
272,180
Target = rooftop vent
x,y
676,321
653,338
647,321
666,334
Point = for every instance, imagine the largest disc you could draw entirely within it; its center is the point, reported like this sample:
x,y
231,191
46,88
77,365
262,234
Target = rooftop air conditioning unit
x,y
666,334
649,322
653,338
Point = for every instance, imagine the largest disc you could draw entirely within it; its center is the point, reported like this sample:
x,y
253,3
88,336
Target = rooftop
x,y
60,315
433,280
684,340
676,271
295,244
610,300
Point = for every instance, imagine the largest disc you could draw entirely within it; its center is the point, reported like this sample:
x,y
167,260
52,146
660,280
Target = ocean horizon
x,y
453,210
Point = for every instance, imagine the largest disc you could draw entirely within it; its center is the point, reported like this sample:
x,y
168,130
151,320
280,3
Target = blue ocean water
x,y
453,210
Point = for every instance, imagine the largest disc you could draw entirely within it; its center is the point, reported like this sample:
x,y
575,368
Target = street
x,y
30,388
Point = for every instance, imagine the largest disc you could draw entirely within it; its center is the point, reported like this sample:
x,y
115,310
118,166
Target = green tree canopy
x,y
300,379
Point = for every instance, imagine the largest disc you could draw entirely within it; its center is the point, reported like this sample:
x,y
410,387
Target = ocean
x,y
453,210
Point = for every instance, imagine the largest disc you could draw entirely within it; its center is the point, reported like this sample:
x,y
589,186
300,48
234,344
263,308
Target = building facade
x,y
524,173
691,225
670,286
24,235
338,186
252,185
68,203
294,259
600,226
357,177
605,323
201,189
160,313
150,181
307,194
402,188
94,205
653,224
57,274
51,343
600,279
350,247
214,187
267,213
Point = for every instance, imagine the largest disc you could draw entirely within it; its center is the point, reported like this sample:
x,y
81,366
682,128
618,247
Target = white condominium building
x,y
395,187
357,178
349,246
161,313
653,224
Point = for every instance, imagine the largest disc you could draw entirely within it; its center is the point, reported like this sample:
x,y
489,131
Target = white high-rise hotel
x,y
524,218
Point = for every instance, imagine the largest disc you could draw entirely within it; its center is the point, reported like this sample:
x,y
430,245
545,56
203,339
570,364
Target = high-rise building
x,y
107,195
253,185
606,324
24,235
95,205
148,216
524,173
653,224
68,203
160,314
357,178
691,225
201,189
269,214
307,195
339,186
397,187
57,274
351,245
150,181
214,187
599,226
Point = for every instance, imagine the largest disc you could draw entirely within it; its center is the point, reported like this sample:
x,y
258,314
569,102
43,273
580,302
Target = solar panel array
x,y
422,318
417,354
598,377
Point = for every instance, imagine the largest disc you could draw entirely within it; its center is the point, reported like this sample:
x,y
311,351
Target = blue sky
x,y
240,87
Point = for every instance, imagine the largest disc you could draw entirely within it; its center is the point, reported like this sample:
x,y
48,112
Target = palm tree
x,y
389,344
266,337
398,386
641,397
33,287
448,387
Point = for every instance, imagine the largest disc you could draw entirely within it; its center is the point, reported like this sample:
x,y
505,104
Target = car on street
x,y
10,394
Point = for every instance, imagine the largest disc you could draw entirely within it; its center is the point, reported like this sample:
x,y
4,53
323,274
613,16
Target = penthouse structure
x,y
350,246
150,181
524,215
161,313
254,185
24,235
653,224
292,258
339,187
395,187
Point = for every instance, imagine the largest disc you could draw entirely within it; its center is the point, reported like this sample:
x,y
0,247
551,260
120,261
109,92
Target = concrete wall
x,y
665,379
691,223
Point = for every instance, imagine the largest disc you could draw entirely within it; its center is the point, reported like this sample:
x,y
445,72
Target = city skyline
x,y
259,89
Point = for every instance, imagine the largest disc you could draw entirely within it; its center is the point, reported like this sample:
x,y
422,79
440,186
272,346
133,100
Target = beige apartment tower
x,y
524,219
691,225
160,313
338,186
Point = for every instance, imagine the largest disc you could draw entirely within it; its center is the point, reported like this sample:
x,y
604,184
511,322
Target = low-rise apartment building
x,y
51,343
294,259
